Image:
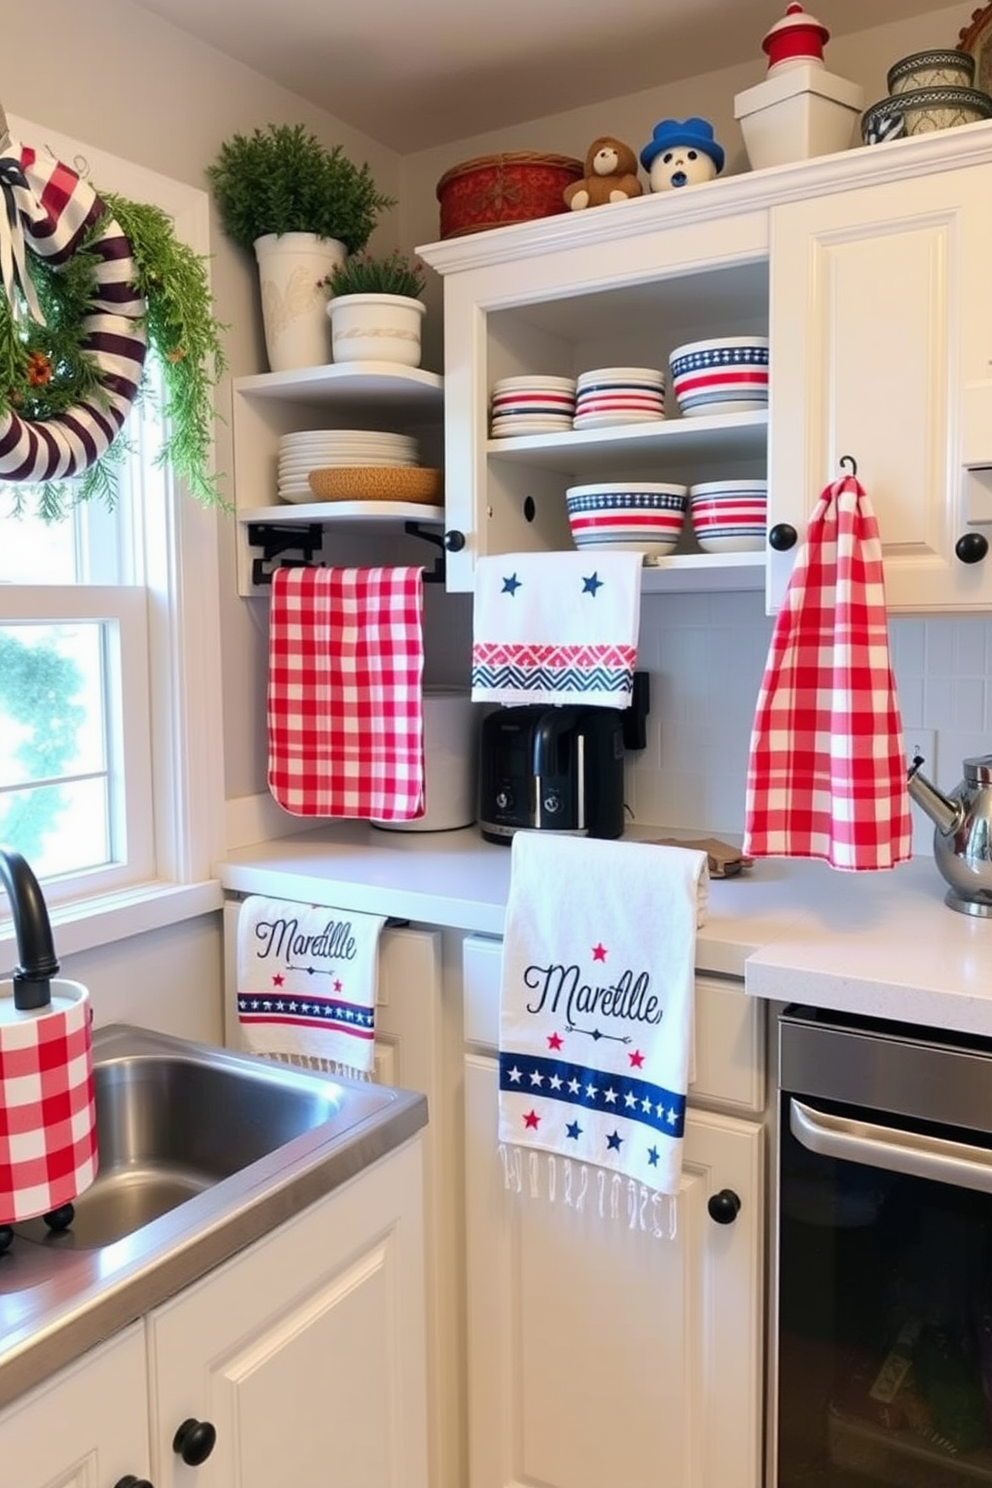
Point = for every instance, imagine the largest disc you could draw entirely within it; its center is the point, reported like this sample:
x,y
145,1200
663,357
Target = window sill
x,y
92,923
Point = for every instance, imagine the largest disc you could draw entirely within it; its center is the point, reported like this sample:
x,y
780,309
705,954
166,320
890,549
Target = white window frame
x,y
181,606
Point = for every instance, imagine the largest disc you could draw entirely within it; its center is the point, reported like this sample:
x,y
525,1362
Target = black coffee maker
x,y
557,768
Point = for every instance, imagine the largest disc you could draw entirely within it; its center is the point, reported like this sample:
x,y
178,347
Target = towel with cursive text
x,y
596,1004
307,982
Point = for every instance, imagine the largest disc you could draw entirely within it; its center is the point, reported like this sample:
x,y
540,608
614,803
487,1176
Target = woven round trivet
x,y
377,483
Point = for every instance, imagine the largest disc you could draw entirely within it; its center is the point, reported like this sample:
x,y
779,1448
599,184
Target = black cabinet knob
x,y
454,540
194,1441
724,1206
782,537
132,1482
972,547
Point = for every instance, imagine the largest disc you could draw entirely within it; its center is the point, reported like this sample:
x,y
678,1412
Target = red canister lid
x,y
797,38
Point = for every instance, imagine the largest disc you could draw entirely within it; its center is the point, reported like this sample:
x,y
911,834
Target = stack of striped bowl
x,y
636,516
531,405
729,516
727,374
618,395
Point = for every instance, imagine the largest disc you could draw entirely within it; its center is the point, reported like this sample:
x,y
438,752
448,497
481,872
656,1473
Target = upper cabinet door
x,y
881,348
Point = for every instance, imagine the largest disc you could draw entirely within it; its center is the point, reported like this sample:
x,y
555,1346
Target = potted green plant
x,y
301,207
375,308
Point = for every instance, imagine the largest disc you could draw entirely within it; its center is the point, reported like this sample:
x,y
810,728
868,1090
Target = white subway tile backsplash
x,y
706,713
970,648
706,654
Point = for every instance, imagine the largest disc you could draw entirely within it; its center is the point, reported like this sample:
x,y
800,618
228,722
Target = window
x,y
110,775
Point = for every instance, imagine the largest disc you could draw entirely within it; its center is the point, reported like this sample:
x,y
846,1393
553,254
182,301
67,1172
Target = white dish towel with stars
x,y
306,984
556,628
596,1006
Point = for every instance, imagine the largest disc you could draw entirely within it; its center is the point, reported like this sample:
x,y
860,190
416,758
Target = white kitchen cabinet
x,y
881,329
867,269
306,1352
560,297
87,1427
370,395
599,1354
409,1053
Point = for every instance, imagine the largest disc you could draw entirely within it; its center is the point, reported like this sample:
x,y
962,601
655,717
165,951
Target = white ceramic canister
x,y
451,751
48,1146
291,272
376,328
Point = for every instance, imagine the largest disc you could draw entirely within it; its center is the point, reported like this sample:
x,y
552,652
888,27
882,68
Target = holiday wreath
x,y
89,282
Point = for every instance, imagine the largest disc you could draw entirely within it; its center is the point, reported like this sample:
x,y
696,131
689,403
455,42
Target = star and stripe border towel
x,y
306,983
596,1012
556,628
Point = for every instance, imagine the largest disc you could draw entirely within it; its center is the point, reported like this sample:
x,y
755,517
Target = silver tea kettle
x,y
962,839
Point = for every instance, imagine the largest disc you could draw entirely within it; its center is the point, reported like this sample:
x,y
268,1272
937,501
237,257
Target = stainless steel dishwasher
x,y
881,1343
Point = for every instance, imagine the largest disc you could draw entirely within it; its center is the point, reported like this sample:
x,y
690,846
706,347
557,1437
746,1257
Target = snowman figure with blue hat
x,y
681,153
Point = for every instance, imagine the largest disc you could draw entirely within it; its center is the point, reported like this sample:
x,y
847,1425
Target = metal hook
x,y
848,460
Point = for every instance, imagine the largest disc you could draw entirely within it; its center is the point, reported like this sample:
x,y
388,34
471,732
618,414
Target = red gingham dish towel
x,y
827,773
345,719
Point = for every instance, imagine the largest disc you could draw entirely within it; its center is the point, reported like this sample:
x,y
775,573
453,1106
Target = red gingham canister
x,y
48,1148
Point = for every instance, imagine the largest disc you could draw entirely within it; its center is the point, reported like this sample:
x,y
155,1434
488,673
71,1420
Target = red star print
x,y
532,1120
599,952
278,979
337,986
636,1059
554,1040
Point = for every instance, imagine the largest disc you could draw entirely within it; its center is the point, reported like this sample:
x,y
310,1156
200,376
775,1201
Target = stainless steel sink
x,y
173,1122
201,1152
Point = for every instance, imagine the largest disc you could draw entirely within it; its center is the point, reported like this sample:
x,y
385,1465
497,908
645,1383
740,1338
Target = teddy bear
x,y
681,153
611,175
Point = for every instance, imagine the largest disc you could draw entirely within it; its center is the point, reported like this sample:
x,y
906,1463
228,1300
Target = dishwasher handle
x,y
919,1156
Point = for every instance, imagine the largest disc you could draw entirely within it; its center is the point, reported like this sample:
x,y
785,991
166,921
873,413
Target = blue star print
x,y
653,1155
511,585
591,584
613,1142
574,1130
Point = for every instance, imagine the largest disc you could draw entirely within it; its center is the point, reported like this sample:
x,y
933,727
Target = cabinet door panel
x,y
307,1351
876,332
599,1354
85,1428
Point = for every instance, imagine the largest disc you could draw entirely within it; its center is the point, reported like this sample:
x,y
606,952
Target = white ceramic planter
x,y
291,271
376,328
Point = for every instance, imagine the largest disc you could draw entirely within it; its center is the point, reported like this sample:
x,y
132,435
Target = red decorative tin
x,y
493,190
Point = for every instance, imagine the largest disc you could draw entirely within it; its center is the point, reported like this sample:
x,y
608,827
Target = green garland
x,y
44,370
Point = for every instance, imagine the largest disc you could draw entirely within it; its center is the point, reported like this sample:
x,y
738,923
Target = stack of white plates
x,y
619,395
531,405
318,449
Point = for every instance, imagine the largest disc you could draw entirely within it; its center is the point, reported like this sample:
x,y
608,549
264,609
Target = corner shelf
x,y
387,387
370,395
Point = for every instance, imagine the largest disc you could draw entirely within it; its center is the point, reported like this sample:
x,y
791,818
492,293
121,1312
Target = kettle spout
x,y
945,813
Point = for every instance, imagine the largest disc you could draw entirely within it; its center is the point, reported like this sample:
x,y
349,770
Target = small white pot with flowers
x,y
375,309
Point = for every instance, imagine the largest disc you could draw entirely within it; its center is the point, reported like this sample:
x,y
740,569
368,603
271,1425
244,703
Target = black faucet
x,y
35,947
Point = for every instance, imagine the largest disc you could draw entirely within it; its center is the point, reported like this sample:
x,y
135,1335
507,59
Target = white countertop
x,y
881,944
